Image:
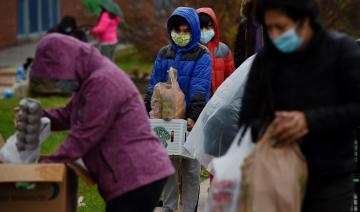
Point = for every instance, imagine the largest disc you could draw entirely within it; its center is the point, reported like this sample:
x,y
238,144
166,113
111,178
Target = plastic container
x,y
172,135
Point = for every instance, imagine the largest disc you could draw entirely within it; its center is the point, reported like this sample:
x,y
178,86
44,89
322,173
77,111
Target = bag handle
x,y
241,133
172,72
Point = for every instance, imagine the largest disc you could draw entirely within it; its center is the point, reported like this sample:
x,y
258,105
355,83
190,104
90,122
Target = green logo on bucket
x,y
163,135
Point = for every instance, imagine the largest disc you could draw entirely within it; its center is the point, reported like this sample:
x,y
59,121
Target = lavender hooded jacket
x,y
108,124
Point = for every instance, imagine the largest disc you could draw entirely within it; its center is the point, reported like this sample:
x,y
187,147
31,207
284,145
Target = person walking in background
x,y
249,35
22,82
193,62
107,122
106,33
68,26
221,57
23,70
306,84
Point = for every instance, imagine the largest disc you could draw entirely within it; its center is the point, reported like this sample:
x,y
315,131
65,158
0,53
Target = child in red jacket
x,y
222,59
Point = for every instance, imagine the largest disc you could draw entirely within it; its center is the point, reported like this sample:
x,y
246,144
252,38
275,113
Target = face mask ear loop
x,y
297,27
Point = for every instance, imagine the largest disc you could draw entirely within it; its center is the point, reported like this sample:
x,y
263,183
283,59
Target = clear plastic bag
x,y
225,190
218,123
9,153
168,100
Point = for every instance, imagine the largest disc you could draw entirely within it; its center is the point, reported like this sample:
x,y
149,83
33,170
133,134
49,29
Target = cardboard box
x,y
55,187
172,135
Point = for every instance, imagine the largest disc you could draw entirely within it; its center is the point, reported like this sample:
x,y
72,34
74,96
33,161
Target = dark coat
x,y
248,41
68,26
324,82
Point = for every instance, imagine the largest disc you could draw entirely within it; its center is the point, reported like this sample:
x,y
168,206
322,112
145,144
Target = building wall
x,y
68,7
75,8
7,23
81,14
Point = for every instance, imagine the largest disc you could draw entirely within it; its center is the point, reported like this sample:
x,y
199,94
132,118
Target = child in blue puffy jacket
x,y
193,62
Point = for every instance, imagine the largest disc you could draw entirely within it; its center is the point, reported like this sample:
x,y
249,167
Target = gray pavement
x,y
16,55
202,198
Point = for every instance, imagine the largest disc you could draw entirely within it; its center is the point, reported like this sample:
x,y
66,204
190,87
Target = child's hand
x,y
17,119
190,124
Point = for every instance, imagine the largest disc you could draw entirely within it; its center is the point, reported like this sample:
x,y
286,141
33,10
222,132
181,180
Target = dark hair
x,y
297,10
205,20
67,22
176,21
27,63
267,59
248,9
112,15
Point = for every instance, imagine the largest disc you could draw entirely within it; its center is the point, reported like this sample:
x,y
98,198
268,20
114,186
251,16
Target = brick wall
x,y
81,14
7,23
68,7
75,8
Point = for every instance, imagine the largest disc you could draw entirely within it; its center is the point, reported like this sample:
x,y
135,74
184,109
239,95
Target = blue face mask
x,y
206,36
68,85
288,42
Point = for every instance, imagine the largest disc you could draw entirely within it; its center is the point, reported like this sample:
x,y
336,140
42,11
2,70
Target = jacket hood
x,y
61,57
190,15
210,12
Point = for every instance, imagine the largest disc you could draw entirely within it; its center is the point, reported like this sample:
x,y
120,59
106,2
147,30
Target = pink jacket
x,y
106,29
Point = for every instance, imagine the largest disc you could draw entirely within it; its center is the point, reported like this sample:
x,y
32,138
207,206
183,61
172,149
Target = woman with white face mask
x,y
222,59
306,82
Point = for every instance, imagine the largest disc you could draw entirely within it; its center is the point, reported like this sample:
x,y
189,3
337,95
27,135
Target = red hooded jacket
x,y
222,59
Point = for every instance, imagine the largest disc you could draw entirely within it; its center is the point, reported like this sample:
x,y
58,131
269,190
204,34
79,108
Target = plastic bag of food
x,y
168,100
274,177
225,190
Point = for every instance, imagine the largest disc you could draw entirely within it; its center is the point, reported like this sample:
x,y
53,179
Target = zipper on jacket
x,y
108,166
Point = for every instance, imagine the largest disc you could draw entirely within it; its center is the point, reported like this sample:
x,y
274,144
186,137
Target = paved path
x,y
202,199
12,57
16,56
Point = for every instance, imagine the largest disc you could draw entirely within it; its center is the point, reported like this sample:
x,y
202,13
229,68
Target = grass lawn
x,y
129,59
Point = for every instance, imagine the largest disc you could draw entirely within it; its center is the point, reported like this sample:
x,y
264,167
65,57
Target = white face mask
x,y
207,36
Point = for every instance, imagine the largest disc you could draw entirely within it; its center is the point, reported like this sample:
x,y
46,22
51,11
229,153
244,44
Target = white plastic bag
x,y
217,125
10,154
225,191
